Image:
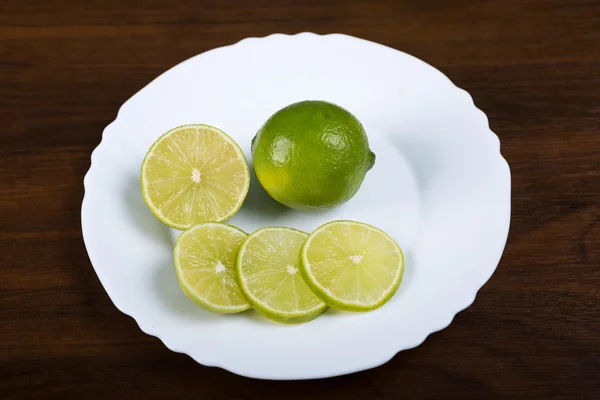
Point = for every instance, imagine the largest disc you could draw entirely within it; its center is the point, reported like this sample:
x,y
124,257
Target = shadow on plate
x,y
166,287
255,317
143,217
259,204
164,279
407,278
424,159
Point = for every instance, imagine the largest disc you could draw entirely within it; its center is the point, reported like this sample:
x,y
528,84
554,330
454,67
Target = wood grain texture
x,y
532,65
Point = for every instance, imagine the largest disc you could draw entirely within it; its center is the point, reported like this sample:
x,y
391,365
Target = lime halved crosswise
x,y
351,265
194,174
204,261
267,270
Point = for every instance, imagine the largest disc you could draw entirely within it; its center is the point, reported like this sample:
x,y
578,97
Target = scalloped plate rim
x,y
224,364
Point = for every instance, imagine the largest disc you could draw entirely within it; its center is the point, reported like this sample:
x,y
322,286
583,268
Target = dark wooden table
x,y
533,66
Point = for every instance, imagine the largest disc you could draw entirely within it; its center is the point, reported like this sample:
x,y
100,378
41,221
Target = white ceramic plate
x,y
440,187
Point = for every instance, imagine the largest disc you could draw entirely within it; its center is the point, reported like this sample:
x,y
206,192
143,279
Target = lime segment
x,y
351,265
194,174
204,261
268,271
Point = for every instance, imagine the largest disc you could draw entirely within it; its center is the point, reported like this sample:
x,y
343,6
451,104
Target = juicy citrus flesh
x,y
311,155
268,271
205,264
351,265
194,174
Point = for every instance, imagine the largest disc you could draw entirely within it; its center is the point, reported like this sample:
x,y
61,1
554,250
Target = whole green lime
x,y
311,155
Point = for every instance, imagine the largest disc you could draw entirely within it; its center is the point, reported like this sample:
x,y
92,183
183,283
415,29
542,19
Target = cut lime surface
x,y
194,174
351,265
204,261
268,272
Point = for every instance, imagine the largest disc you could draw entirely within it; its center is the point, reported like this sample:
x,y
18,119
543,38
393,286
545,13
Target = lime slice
x,y
352,266
204,261
267,270
194,174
